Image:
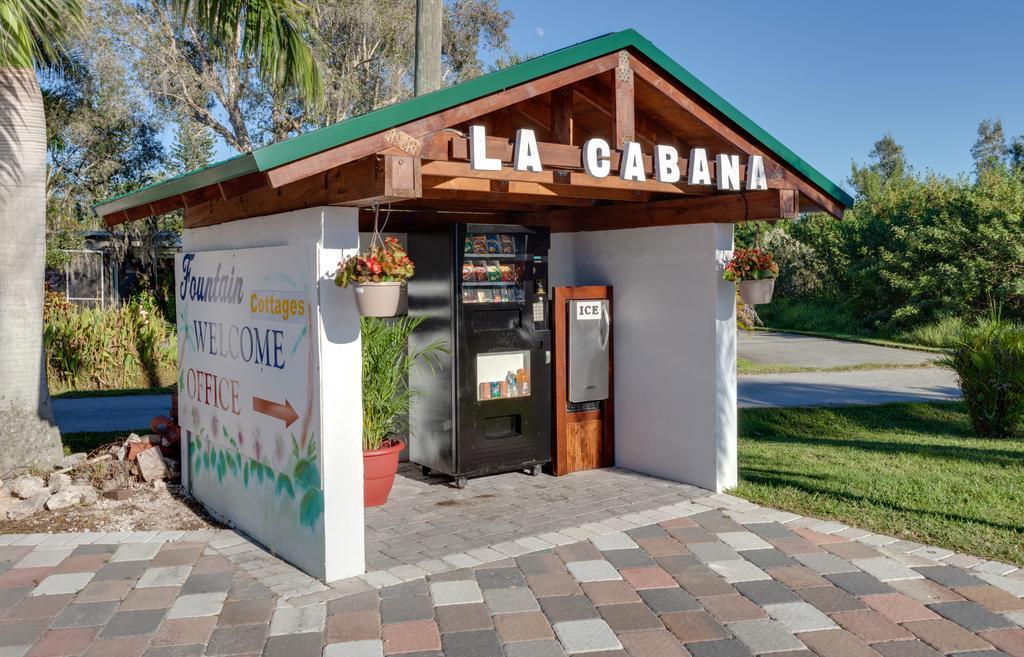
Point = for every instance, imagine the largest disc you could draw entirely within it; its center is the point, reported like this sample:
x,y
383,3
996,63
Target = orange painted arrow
x,y
283,412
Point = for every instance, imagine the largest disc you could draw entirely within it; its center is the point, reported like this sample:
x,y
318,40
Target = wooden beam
x,y
530,191
400,221
721,208
380,179
561,115
369,145
559,177
625,129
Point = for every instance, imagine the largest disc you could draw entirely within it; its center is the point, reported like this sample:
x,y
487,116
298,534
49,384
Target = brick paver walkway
x,y
736,580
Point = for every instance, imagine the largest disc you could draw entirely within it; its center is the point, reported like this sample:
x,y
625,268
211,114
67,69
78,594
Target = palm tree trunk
x,y
28,435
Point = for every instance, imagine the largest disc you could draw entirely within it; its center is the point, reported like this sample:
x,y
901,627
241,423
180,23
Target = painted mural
x,y
247,392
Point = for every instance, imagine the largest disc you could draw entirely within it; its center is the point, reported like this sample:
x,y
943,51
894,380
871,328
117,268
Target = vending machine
x,y
483,290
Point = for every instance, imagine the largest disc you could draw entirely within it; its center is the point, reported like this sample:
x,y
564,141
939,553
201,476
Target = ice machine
x,y
589,328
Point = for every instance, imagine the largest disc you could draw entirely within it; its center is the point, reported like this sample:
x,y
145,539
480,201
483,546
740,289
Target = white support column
x,y
725,364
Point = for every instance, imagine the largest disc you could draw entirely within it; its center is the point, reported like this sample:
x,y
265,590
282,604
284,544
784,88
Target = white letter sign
x,y
597,157
478,159
632,165
526,155
755,173
666,164
699,173
728,172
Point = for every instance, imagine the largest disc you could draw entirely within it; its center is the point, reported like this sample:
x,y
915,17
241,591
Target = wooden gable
x,y
420,168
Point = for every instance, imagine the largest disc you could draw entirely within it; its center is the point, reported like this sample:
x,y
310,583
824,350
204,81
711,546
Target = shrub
x,y
93,348
989,362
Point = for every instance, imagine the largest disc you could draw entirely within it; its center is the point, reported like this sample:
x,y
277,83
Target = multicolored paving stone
x,y
732,581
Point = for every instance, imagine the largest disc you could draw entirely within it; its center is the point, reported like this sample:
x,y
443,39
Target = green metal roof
x,y
296,148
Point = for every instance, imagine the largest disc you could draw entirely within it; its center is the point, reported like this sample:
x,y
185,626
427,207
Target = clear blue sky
x,y
827,77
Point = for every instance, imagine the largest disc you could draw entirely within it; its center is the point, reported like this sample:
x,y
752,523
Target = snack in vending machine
x,y
479,244
508,244
520,295
480,272
467,271
507,273
482,295
505,295
493,244
517,274
468,246
496,294
468,295
493,271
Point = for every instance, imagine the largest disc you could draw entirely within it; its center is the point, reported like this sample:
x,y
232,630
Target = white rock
x,y
72,460
59,482
27,507
27,486
71,496
151,464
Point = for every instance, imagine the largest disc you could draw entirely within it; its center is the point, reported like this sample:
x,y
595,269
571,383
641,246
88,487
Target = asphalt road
x,y
109,413
847,388
767,348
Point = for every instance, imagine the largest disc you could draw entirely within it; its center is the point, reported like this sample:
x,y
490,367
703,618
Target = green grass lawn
x,y
914,471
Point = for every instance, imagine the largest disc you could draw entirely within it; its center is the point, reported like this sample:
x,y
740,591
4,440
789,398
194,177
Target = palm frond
x,y
274,33
33,32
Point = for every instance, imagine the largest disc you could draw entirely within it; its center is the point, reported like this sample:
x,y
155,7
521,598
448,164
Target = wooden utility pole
x,y
429,15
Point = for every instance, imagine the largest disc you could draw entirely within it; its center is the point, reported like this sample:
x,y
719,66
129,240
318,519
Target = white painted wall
x,y
675,344
336,550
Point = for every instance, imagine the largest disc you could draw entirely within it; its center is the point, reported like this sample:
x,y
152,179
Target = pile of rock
x,y
117,470
29,494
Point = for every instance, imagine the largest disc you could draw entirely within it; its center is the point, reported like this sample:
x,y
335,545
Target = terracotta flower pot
x,y
378,299
379,468
757,292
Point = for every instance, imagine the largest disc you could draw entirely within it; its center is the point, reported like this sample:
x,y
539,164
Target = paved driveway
x,y
718,577
847,388
769,348
842,388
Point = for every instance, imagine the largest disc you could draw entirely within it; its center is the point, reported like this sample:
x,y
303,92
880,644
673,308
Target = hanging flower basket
x,y
757,292
378,299
754,271
376,276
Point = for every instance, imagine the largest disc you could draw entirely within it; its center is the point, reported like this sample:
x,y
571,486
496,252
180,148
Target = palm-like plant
x,y
33,34
387,364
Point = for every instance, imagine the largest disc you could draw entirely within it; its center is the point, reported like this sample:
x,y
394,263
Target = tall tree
x,y
889,159
192,148
31,34
990,149
1017,154
364,48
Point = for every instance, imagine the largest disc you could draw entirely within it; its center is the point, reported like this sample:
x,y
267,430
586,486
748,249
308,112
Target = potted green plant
x,y
754,271
376,276
387,394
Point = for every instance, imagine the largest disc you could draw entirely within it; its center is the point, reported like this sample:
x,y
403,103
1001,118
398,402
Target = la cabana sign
x,y
597,162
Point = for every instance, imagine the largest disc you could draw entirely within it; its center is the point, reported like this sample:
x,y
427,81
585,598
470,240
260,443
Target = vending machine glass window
x,y
503,375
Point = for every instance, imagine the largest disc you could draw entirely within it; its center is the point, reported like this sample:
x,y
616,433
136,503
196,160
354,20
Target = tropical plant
x,y
387,364
750,265
384,262
989,363
31,34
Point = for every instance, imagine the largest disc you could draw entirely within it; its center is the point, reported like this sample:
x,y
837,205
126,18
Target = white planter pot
x,y
378,299
757,292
